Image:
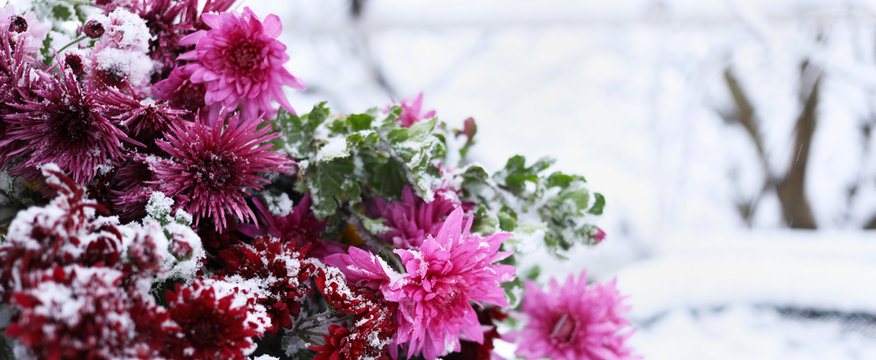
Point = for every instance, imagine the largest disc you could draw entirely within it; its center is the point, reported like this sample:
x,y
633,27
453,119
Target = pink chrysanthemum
x,y
181,93
411,109
213,167
411,220
574,322
241,62
442,279
66,124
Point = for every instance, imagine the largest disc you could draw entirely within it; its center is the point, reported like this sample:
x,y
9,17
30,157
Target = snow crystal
x,y
187,268
280,205
335,148
126,29
243,294
159,205
136,67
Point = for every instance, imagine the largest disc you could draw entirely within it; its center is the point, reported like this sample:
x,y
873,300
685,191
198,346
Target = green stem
x,y
75,41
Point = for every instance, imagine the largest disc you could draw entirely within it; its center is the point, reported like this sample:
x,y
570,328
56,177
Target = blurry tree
x,y
789,185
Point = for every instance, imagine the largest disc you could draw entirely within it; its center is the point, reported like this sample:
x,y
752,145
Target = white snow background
x,y
628,93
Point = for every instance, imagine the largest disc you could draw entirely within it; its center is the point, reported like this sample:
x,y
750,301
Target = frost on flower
x,y
66,231
369,334
213,168
76,312
214,320
121,54
240,61
26,32
574,321
449,272
279,272
64,123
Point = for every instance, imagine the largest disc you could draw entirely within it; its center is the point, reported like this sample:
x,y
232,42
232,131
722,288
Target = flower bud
x,y
17,24
93,29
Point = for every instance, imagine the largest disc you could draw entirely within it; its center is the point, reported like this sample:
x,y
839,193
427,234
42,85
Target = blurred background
x,y
733,139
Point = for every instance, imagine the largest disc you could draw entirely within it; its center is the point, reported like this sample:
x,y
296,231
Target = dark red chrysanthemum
x,y
215,166
211,323
75,312
65,124
279,268
372,328
66,231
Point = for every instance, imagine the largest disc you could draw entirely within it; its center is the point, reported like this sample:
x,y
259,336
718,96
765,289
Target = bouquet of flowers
x,y
161,199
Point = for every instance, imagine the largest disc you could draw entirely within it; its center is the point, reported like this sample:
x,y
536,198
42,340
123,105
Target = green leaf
x,y
484,222
362,138
507,219
513,290
422,129
516,174
475,174
532,273
389,179
596,209
62,12
360,121
331,186
398,135
374,226
298,131
558,179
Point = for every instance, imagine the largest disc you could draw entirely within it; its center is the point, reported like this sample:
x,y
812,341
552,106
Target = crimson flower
x,y
213,320
280,270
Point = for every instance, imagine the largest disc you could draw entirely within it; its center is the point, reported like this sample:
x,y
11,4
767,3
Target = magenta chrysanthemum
x,y
65,124
212,168
411,220
574,322
442,279
411,109
241,62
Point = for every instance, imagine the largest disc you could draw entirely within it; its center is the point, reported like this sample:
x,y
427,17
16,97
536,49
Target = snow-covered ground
x,y
630,94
